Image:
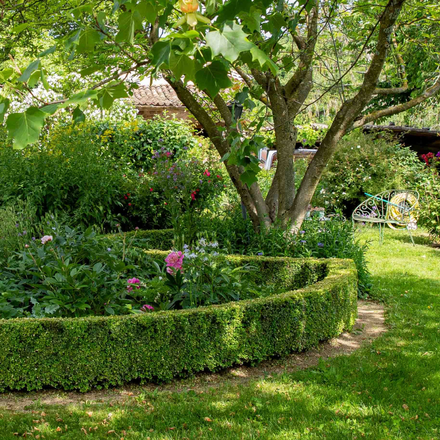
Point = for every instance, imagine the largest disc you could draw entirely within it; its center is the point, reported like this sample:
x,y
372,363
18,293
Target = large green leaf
x,y
129,22
161,53
24,128
35,65
229,42
213,78
148,10
263,60
81,97
182,64
89,38
4,105
5,74
109,94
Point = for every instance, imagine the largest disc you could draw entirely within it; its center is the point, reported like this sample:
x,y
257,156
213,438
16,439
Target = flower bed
x,y
82,353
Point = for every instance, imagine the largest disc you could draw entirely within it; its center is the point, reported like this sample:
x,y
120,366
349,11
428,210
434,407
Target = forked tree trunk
x,y
282,204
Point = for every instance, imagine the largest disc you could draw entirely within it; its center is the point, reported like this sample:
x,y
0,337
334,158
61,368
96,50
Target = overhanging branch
x,y
428,93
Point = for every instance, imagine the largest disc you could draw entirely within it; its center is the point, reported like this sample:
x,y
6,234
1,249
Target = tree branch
x,y
428,93
307,51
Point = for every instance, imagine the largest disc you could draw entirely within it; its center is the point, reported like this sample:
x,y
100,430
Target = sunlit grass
x,y
387,390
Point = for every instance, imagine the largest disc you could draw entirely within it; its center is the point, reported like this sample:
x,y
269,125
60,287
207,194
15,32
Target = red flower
x,y
197,190
129,204
193,195
219,177
151,189
206,173
125,197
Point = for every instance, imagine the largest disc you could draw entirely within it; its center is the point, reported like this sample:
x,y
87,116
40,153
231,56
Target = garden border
x,y
82,353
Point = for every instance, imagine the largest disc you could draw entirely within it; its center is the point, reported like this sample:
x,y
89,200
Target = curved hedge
x,y
81,353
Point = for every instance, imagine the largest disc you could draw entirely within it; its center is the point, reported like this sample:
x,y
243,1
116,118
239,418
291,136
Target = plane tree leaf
x,y
25,127
213,78
229,42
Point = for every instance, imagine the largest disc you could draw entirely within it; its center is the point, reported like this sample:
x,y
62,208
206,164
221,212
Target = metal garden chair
x,y
395,208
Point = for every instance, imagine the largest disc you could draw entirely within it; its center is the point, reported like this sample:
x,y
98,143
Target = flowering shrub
x,y
135,141
199,276
429,189
70,273
365,163
189,187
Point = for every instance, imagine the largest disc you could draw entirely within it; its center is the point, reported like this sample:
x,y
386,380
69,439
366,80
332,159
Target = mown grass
x,y
387,390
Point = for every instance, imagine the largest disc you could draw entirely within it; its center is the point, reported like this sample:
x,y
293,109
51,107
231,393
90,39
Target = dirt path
x,y
369,325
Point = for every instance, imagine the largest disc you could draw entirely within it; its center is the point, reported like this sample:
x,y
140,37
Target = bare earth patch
x,y
369,325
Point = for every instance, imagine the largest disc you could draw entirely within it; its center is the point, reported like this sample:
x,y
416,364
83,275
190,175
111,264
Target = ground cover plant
x,y
73,273
389,389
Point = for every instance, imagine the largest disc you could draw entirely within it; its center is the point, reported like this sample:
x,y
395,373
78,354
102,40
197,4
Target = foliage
x,y
17,226
366,163
136,141
196,47
68,273
105,351
188,187
200,276
68,176
90,179
429,188
335,238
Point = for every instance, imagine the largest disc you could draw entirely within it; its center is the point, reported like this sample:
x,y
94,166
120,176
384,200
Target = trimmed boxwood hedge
x,y
82,353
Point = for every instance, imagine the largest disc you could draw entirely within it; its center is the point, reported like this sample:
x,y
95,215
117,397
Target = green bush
x,y
65,175
429,189
365,163
81,353
335,238
136,141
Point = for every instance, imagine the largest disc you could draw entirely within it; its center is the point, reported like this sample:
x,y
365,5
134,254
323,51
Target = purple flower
x,y
260,253
303,241
302,232
438,154
320,245
16,225
109,249
33,238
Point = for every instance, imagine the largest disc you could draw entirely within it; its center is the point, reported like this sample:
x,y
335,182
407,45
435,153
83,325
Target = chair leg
x,y
381,232
411,236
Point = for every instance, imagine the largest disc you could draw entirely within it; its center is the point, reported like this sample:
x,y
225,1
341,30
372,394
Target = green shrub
x,y
82,353
365,163
66,175
429,189
70,272
136,141
335,238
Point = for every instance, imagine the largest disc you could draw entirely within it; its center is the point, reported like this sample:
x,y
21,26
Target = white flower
x,y
46,238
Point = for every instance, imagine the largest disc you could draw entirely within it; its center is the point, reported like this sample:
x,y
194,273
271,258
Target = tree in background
x,y
287,54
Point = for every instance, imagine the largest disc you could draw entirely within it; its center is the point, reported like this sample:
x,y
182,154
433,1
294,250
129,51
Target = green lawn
x,y
387,390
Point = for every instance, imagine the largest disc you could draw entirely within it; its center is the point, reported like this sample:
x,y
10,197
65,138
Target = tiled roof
x,y
161,95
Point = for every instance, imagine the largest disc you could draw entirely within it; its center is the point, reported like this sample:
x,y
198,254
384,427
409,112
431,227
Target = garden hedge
x,y
82,353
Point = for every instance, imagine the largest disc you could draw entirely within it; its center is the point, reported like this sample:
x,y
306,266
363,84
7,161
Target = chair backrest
x,y
391,205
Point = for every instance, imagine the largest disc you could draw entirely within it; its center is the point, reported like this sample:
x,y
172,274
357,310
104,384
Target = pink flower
x,y
174,261
134,281
46,238
206,173
147,307
129,288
